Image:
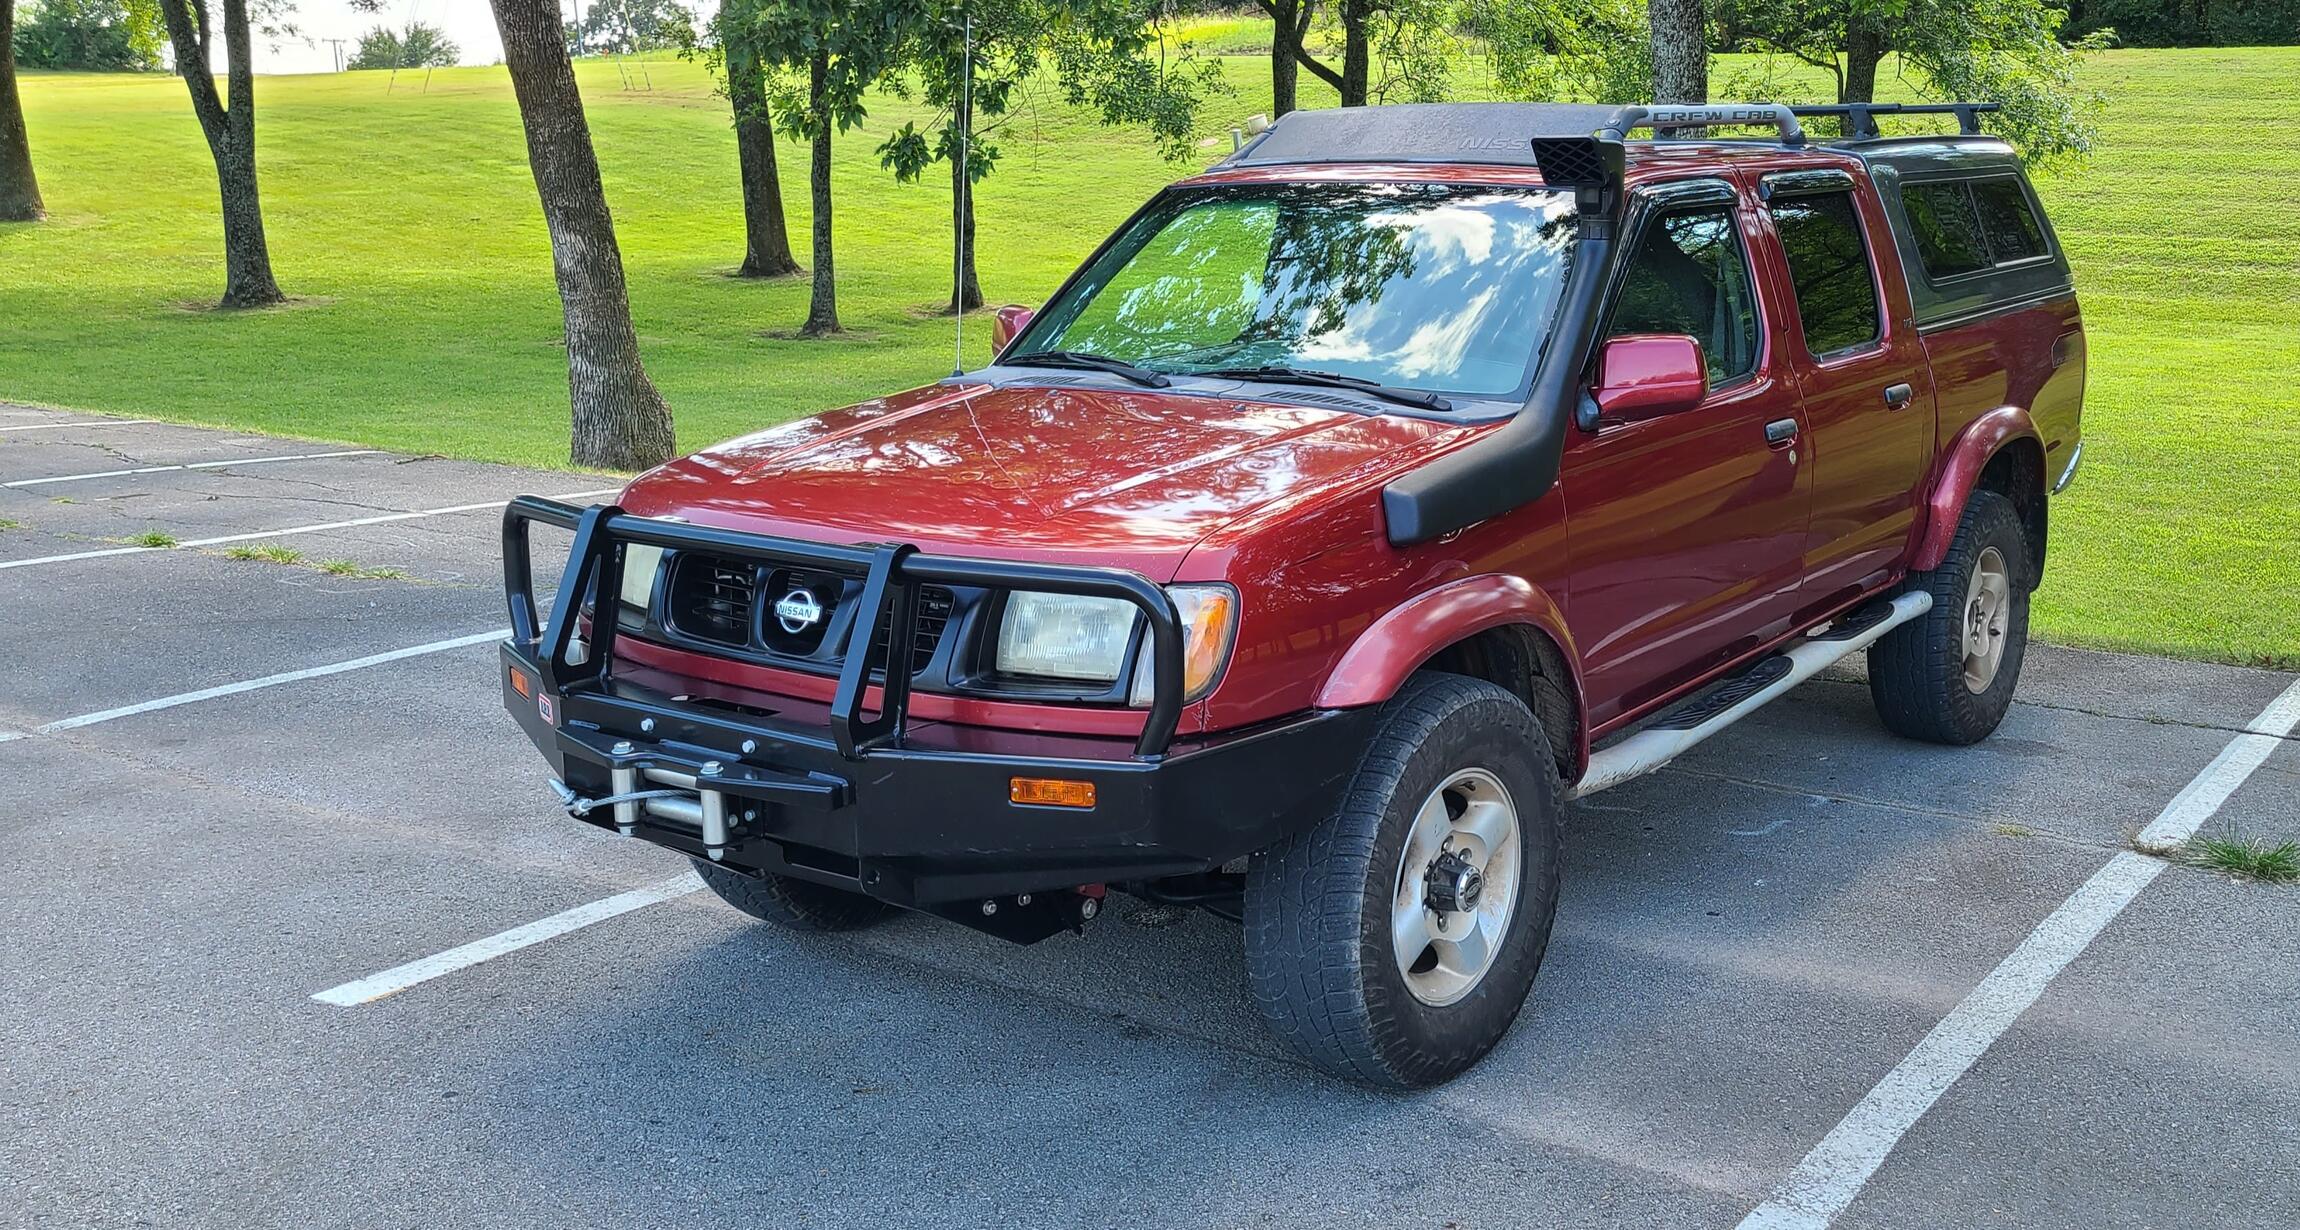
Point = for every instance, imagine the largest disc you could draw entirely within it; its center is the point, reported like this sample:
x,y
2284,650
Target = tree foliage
x,y
97,36
1104,54
417,46
2188,23
1565,50
2004,51
627,27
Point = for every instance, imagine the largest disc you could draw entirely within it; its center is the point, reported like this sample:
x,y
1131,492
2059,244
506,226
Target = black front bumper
x,y
916,814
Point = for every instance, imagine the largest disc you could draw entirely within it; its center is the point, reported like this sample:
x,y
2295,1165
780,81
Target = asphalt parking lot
x,y
1770,960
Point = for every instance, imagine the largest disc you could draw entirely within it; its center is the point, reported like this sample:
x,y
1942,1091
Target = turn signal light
x,y
1050,792
520,683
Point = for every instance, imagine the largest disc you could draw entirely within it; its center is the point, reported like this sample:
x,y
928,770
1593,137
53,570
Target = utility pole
x,y
337,44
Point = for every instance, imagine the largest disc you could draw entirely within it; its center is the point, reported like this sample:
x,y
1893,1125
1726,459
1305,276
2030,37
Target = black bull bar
x,y
892,575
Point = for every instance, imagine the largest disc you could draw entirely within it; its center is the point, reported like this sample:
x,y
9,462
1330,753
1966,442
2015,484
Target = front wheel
x,y
1395,942
1948,675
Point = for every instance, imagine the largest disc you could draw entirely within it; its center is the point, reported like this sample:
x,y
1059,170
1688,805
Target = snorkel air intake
x,y
1517,463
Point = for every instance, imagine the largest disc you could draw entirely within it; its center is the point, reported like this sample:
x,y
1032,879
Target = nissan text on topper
x,y
1408,473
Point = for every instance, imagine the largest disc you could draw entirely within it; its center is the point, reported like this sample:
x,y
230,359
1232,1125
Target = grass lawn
x,y
405,224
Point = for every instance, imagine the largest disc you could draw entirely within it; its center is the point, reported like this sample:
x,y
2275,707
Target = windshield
x,y
1441,287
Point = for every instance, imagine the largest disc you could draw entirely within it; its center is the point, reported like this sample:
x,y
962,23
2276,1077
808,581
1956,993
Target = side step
x,y
1678,730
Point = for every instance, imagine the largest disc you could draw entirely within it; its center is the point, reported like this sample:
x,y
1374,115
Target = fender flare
x,y
1378,663
1969,454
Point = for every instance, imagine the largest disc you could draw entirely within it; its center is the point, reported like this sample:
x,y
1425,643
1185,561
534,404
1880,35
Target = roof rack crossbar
x,y
1861,118
1663,116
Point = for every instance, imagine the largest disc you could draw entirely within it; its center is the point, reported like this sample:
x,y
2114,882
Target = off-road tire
x,y
1319,953
800,905
1917,671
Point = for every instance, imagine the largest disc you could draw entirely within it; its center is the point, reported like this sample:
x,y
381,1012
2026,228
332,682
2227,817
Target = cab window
x,y
1689,275
1829,265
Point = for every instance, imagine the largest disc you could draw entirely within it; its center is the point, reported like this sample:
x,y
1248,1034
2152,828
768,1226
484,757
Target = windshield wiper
x,y
1083,361
1332,380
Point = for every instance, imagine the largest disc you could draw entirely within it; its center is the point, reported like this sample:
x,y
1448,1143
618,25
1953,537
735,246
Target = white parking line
x,y
196,465
400,977
269,681
219,540
89,423
1841,1165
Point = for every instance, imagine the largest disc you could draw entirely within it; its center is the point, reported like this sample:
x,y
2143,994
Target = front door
x,y
1685,532
1868,393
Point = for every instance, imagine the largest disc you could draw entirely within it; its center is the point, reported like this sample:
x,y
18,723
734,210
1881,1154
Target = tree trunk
x,y
1289,36
823,304
619,420
1864,48
1285,59
19,191
966,293
1357,55
766,238
1680,51
231,135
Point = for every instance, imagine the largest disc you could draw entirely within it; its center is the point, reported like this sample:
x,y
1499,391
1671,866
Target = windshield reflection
x,y
1447,288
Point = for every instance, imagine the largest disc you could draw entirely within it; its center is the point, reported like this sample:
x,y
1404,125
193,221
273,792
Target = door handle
x,y
1780,431
1898,395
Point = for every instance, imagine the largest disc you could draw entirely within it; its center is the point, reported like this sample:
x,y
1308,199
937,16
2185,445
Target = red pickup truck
x,y
1363,499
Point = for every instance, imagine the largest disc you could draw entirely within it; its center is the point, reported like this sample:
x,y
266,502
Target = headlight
x,y
1054,636
640,564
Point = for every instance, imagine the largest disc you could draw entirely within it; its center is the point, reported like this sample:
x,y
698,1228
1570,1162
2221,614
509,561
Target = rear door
x,y
1686,533
1868,395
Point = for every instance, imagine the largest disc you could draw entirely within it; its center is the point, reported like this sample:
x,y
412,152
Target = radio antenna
x,y
964,190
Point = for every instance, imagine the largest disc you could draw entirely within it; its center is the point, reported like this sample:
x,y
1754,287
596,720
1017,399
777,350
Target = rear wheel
x,y
1948,676
800,905
1395,942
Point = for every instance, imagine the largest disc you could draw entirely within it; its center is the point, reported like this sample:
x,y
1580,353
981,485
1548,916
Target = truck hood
x,y
1063,474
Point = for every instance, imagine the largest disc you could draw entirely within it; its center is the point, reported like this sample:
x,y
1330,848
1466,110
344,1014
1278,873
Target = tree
x,y
2003,51
619,421
92,36
1292,20
417,46
627,27
766,236
842,47
19,190
231,134
1680,39
1100,53
1408,41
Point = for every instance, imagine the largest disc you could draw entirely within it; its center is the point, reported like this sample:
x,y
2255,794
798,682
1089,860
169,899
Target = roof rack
x,y
1663,116
1861,118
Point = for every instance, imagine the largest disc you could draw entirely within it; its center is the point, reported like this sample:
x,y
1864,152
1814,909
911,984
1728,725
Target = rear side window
x,y
2011,225
1947,230
1689,276
1965,226
1829,265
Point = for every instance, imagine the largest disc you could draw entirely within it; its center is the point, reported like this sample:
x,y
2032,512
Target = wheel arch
x,y
1502,629
1999,451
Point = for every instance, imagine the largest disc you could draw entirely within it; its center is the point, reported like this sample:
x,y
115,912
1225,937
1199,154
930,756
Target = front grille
x,y
713,599
934,606
716,600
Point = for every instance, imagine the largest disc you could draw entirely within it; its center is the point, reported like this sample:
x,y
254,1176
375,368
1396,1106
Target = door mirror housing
x,y
1646,375
1005,323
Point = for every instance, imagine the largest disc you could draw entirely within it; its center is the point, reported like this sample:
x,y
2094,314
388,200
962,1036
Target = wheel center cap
x,y
1454,883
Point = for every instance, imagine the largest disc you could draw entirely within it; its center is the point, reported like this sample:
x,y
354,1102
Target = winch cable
x,y
578,806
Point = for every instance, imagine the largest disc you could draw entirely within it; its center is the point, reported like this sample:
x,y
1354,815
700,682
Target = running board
x,y
1680,729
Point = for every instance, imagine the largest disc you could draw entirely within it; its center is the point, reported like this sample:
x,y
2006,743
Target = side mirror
x,y
1005,323
1646,375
